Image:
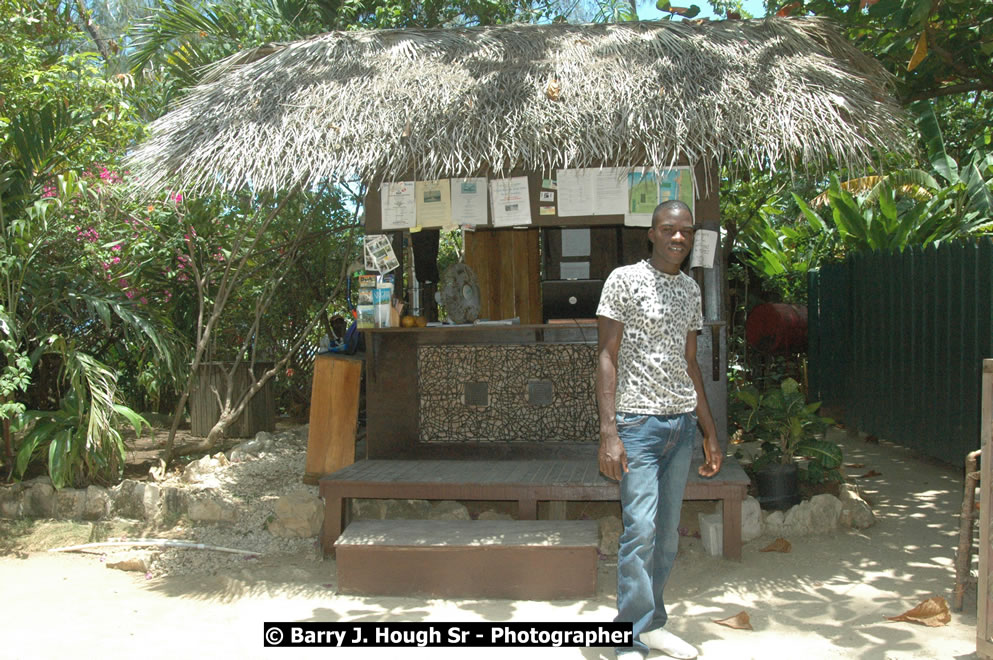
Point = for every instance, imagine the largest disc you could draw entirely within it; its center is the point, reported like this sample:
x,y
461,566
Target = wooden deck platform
x,y
525,481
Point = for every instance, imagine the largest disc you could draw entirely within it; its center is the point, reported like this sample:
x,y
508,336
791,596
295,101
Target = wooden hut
x,y
527,101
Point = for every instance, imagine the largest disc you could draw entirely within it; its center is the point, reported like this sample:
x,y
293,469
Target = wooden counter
x,y
577,332
393,388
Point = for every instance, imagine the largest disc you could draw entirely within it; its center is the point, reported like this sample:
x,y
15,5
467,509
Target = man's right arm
x,y
612,457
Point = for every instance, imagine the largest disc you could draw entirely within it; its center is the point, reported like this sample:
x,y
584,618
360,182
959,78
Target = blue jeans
x,y
659,448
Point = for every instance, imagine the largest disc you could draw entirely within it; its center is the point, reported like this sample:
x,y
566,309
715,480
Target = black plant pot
x,y
777,484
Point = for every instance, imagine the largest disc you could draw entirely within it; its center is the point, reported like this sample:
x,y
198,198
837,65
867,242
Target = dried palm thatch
x,y
456,102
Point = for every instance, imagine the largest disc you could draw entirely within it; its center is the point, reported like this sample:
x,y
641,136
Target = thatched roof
x,y
386,104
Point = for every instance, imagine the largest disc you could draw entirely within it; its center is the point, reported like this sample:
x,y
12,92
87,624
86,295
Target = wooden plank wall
x,y
507,265
259,414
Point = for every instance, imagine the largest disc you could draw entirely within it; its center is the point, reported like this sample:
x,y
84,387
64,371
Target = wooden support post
x,y
334,409
557,510
731,523
984,617
527,508
963,558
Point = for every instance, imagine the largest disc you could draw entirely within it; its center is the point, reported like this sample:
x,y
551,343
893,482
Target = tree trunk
x,y
8,448
103,45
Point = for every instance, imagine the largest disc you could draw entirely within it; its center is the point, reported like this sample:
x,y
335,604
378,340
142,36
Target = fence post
x,y
814,363
984,620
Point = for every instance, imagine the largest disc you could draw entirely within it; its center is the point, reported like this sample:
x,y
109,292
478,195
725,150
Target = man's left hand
x,y
714,456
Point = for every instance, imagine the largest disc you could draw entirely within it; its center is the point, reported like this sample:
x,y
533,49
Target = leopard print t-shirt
x,y
657,310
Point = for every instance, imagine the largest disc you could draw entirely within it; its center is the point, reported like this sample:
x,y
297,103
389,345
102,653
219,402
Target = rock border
x,y
198,496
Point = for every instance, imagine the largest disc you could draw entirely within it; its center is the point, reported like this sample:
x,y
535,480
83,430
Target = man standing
x,y
650,395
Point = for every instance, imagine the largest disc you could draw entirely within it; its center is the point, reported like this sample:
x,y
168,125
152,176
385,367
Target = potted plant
x,y
790,432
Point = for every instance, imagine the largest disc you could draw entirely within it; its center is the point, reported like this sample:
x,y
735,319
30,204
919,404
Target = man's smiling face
x,y
672,239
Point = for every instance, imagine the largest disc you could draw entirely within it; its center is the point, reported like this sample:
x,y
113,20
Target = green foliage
x,y
16,374
185,37
787,428
613,11
910,206
685,12
450,249
782,252
934,47
965,122
60,116
304,252
79,442
875,225
60,304
58,111
761,234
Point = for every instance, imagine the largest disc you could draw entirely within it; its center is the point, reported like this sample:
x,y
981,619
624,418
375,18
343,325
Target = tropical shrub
x,y
59,115
788,428
911,206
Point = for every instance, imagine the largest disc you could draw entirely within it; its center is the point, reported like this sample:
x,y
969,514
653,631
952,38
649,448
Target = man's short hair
x,y
670,206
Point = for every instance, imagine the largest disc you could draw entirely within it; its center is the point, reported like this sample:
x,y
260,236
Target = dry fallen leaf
x,y
870,473
739,621
931,612
779,545
854,466
920,52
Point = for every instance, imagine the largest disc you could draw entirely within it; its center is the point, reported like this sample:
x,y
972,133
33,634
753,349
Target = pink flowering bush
x,y
125,244
154,256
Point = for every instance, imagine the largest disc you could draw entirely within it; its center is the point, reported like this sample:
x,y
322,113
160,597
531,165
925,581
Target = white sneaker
x,y
630,655
661,639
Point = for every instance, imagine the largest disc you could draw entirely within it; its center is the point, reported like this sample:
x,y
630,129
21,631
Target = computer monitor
x,y
570,299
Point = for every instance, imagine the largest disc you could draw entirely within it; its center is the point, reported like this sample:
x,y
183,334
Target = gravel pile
x,y
252,485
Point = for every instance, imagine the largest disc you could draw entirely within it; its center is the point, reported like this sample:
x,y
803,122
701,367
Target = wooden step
x,y
520,559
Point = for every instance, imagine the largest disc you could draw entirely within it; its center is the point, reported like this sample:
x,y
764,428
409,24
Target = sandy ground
x,y
828,598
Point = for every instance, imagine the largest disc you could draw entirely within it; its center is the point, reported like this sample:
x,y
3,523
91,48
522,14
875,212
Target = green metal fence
x,y
897,340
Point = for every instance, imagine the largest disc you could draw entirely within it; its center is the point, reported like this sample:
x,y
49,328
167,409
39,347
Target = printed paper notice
x,y
469,201
509,202
434,203
704,249
677,183
399,206
610,191
643,197
575,192
646,190
379,254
